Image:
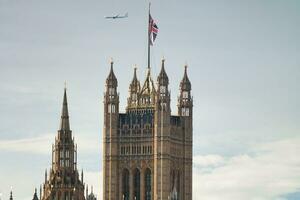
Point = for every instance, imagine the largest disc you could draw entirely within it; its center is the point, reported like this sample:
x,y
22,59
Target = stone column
x,y
131,185
121,185
142,181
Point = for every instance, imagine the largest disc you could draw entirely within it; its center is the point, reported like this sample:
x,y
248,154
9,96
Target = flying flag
x,y
153,30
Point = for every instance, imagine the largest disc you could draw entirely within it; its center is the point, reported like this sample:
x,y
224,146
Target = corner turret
x,y
185,100
134,90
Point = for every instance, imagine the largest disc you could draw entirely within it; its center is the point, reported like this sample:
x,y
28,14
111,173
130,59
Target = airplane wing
x,y
116,16
123,16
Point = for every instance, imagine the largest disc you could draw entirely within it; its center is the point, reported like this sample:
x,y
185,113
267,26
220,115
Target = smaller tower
x,y
63,180
110,148
11,195
162,135
185,101
91,196
35,197
111,97
87,191
45,175
163,90
148,91
82,175
40,192
134,90
185,111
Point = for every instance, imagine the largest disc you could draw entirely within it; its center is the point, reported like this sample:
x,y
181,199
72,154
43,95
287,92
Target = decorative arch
x,y
148,184
137,184
125,184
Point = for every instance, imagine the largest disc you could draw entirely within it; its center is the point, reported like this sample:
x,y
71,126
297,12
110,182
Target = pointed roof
x,y
135,83
111,80
148,87
11,196
64,122
134,79
185,83
35,197
162,78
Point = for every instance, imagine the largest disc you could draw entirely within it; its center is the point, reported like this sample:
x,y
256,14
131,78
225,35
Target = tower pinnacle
x,y
64,123
111,80
11,196
185,83
162,78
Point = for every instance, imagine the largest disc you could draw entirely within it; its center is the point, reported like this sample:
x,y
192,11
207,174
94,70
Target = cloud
x,y
42,144
208,160
38,145
267,172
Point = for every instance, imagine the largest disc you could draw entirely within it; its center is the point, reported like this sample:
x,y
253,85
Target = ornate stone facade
x,y
63,182
147,152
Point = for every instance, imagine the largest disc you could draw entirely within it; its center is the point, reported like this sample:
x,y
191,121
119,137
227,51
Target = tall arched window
x,y
125,184
137,184
148,184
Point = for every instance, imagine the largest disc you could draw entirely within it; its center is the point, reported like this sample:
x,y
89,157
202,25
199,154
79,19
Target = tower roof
x,y
162,78
64,122
11,196
148,87
135,83
111,80
35,197
185,83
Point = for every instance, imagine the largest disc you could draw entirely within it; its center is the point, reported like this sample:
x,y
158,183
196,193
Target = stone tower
x,y
63,181
147,151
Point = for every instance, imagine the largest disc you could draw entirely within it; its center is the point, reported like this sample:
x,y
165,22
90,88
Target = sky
x,y
244,65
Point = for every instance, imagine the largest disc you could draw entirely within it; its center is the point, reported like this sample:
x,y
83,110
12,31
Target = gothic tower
x,y
63,181
147,150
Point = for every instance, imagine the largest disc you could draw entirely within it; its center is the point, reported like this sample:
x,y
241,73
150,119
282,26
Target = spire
x,y
87,191
64,123
135,83
45,175
40,192
162,78
134,75
148,87
11,196
35,197
185,84
111,80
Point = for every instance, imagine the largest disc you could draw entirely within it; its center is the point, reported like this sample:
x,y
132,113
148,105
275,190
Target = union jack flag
x,y
153,30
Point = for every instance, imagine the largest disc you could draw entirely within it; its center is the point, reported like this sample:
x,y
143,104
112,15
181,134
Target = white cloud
x,y
42,144
208,160
39,145
267,172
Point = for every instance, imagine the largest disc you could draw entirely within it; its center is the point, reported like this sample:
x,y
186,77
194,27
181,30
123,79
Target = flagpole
x,y
149,36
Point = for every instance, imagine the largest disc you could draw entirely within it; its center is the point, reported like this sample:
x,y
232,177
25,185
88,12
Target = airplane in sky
x,y
117,16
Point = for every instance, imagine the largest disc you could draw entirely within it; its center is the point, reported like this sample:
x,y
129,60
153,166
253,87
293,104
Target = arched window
x,y
125,184
137,184
148,184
